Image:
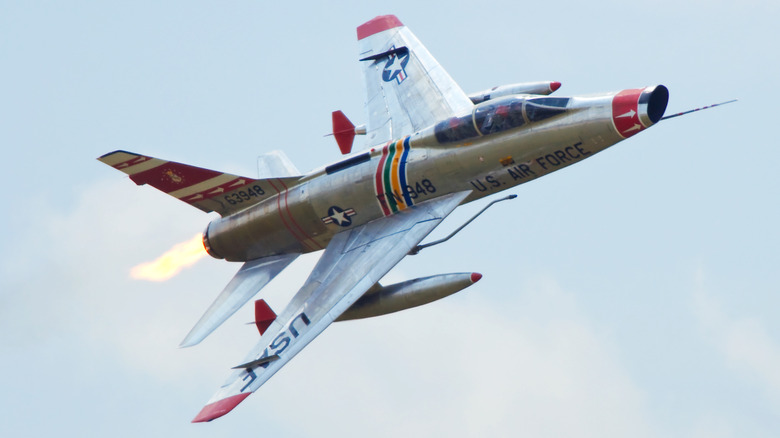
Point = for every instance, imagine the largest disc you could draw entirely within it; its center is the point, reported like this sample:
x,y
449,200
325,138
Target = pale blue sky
x,y
634,294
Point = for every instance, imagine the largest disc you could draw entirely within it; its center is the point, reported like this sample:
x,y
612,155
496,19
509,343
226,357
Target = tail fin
x,y
275,164
207,190
406,88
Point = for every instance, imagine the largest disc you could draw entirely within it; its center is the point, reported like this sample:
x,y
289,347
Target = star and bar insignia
x,y
339,216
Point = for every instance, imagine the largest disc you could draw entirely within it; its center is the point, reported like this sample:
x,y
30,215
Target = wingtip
x,y
105,157
190,341
219,408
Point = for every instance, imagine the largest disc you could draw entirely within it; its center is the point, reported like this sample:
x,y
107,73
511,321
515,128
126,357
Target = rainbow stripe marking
x,y
390,181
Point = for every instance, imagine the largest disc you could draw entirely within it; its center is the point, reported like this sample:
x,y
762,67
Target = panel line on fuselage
x,y
303,238
378,184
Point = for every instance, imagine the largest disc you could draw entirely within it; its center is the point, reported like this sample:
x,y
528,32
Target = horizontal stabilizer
x,y
252,277
205,189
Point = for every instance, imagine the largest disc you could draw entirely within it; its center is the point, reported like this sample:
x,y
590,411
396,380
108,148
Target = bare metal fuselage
x,y
305,216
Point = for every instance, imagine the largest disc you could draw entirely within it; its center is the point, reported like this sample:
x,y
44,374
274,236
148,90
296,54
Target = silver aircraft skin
x,y
433,149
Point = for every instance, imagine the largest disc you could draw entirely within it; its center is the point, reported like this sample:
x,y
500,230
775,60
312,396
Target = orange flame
x,y
169,264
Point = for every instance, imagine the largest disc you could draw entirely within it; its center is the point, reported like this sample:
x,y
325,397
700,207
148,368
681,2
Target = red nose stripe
x,y
624,112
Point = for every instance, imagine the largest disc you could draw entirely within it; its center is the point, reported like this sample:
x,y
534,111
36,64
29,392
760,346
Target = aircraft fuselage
x,y
501,144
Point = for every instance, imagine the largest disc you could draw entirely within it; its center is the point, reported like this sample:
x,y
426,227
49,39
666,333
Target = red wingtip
x,y
475,277
554,86
344,131
377,24
219,408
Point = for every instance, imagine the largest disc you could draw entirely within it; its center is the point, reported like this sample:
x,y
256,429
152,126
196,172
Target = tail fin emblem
x,y
396,67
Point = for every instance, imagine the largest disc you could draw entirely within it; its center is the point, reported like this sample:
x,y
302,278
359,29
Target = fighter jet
x,y
431,148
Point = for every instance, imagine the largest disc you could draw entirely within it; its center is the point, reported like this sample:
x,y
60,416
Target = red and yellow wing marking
x,y
207,190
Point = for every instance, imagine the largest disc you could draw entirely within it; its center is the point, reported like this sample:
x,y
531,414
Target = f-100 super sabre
x,y
431,148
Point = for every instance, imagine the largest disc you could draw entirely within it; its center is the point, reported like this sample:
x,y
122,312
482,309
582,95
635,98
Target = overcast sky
x,y
633,294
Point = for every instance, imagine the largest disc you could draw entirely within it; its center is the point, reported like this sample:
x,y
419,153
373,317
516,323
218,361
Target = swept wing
x,y
252,277
406,88
351,264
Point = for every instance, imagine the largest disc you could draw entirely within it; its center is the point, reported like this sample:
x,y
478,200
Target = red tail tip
x,y
475,277
377,24
554,86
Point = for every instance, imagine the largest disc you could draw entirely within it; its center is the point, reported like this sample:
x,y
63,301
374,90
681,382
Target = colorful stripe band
x,y
390,182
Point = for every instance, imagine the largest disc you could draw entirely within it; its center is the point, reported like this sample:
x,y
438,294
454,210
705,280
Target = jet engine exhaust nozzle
x,y
207,245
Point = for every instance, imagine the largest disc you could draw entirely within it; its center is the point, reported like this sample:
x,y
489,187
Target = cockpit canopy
x,y
499,115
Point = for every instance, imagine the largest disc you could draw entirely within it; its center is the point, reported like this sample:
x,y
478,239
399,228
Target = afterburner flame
x,y
169,264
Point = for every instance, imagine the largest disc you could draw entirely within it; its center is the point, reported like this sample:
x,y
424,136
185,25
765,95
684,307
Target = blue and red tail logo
x,y
396,66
